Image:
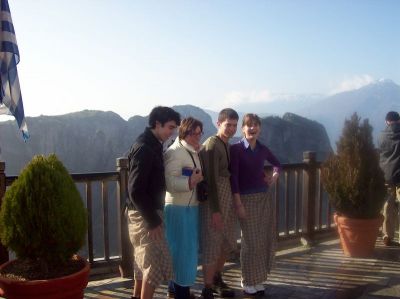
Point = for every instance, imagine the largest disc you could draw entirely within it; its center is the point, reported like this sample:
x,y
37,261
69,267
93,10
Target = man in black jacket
x,y
146,187
389,146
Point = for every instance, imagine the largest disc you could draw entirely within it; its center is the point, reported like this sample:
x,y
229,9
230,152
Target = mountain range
x,y
371,101
90,141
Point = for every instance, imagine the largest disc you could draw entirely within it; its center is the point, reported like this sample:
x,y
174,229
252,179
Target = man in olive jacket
x,y
389,146
146,188
217,216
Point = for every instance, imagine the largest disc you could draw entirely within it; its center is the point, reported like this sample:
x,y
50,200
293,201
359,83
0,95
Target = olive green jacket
x,y
216,164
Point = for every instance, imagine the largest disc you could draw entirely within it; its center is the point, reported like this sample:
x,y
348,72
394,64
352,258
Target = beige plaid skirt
x,y
152,258
212,242
258,237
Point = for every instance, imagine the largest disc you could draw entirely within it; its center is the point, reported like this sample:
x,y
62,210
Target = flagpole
x,y
3,250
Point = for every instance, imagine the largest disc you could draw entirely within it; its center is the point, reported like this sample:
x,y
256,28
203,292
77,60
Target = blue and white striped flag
x,y
10,92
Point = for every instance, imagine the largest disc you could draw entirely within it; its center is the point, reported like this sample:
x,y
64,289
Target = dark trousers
x,y
179,291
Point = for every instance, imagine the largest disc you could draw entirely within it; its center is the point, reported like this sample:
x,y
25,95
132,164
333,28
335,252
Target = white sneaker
x,y
259,287
249,290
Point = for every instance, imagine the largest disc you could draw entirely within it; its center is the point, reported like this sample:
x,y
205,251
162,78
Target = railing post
x,y
126,266
3,250
309,185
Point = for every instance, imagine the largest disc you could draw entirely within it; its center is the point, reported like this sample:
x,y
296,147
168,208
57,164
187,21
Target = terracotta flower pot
x,y
67,287
358,236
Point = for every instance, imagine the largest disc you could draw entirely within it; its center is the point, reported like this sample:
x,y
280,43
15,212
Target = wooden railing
x,y
301,204
301,208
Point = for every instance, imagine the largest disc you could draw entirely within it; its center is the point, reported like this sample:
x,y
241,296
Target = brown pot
x,y
358,236
67,287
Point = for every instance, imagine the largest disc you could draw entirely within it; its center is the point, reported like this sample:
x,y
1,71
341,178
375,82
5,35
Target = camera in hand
x,y
187,171
201,187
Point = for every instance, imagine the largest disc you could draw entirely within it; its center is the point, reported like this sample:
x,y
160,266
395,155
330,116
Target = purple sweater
x,y
247,167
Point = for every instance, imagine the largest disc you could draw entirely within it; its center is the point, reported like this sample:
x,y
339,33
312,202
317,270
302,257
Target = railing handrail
x,y
95,176
294,166
79,177
114,175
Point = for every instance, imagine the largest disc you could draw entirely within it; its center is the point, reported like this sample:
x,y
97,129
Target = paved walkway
x,y
321,272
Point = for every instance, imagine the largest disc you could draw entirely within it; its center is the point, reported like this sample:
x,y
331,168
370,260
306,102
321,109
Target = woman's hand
x,y
239,208
275,177
240,211
270,180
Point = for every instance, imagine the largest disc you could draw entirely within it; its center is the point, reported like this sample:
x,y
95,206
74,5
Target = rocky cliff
x,y
288,137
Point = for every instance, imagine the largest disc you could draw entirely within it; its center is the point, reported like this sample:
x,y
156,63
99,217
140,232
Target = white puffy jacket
x,y
175,158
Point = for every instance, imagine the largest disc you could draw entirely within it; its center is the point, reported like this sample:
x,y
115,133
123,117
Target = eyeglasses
x,y
198,134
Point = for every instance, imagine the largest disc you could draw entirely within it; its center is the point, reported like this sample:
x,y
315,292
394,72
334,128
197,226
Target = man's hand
x,y
156,233
216,220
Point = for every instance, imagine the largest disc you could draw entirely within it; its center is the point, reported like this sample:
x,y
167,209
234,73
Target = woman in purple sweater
x,y
253,204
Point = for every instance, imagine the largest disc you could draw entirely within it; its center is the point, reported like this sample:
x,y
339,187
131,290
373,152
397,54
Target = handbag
x,y
202,191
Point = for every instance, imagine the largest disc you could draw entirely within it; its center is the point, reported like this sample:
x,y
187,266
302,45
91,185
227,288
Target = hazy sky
x,y
128,56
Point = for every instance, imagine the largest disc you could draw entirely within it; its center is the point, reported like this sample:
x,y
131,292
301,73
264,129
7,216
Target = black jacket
x,y
389,148
146,181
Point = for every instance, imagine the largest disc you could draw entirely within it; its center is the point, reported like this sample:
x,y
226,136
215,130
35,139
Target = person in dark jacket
x,y
389,147
146,188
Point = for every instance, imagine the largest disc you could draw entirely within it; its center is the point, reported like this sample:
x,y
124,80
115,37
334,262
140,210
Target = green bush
x,y
42,216
352,177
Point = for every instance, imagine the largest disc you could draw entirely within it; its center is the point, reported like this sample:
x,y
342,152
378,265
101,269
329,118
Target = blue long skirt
x,y
182,226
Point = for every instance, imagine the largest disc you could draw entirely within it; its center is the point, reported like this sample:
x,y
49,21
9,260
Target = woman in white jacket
x,y
183,172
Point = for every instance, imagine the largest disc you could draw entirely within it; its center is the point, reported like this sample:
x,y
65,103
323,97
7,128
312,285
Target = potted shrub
x,y
356,187
43,220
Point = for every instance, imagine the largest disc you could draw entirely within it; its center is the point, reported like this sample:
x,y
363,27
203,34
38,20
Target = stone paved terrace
x,y
321,272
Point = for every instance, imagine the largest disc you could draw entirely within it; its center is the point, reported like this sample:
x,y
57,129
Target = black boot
x,y
221,288
207,293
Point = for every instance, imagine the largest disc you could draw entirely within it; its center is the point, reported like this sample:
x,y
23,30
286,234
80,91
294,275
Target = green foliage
x,y
352,177
42,216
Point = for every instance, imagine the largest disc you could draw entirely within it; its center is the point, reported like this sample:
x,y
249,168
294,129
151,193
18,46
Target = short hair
x,y
227,113
392,116
163,115
188,126
251,119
